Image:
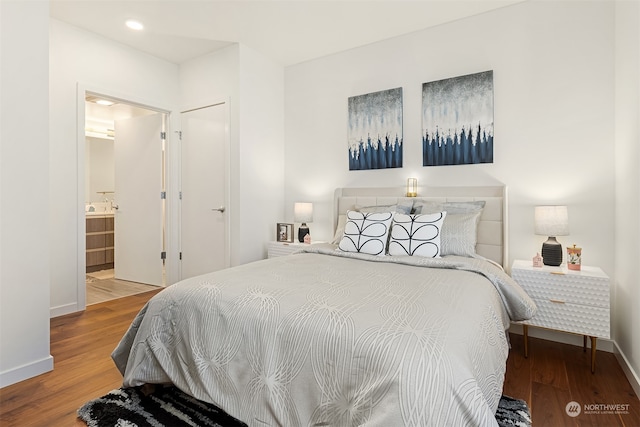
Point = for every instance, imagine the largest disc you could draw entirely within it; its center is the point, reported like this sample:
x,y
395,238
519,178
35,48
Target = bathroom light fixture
x,y
303,213
412,187
134,25
551,221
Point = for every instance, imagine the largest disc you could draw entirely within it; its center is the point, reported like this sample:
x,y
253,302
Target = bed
x,y
339,335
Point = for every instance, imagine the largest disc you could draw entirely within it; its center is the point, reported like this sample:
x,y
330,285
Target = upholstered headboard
x,y
492,229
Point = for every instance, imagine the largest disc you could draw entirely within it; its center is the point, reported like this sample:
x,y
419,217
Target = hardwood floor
x,y
553,375
102,286
81,345
556,374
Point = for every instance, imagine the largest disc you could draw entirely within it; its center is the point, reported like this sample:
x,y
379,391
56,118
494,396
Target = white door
x,y
138,187
204,213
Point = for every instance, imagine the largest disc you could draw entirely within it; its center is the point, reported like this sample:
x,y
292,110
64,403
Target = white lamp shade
x,y
303,212
551,221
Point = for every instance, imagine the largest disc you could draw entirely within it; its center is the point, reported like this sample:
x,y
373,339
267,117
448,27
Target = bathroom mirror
x,y
99,169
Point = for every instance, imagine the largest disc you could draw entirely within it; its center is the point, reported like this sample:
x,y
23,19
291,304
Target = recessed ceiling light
x,y
135,25
104,102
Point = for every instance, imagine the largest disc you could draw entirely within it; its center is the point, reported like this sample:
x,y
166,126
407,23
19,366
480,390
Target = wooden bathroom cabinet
x,y
100,242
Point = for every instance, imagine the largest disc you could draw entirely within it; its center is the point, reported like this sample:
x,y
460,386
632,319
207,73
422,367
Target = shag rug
x,y
168,406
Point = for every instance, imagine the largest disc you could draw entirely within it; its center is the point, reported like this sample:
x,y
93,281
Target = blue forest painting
x,y
375,130
457,120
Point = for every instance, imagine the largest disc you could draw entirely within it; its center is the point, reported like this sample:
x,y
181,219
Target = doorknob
x,y
220,209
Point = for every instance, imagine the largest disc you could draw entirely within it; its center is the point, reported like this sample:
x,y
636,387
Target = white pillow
x,y
366,232
460,228
404,206
416,235
460,235
337,236
428,206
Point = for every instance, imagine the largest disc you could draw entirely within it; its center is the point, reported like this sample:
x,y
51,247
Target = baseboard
x,y
632,376
61,310
27,371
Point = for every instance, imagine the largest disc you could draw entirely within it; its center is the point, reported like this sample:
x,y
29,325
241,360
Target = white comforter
x,y
333,339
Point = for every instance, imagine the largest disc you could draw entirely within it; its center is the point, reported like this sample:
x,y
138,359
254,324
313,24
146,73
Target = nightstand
x,y
275,249
568,301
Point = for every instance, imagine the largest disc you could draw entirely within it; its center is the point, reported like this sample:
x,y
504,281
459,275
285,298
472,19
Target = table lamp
x,y
551,221
303,213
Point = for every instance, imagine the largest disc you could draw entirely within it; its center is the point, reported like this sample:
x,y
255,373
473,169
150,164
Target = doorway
x,y
125,211
204,224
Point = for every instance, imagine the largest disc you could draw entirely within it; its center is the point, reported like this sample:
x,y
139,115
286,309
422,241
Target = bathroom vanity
x,y
100,241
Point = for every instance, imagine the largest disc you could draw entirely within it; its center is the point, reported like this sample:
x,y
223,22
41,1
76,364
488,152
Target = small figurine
x,y
307,238
574,258
537,260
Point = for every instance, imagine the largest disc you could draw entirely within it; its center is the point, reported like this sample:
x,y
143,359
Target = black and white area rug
x,y
169,407
513,413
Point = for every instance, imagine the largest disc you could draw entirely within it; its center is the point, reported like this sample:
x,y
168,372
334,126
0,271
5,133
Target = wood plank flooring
x,y
556,374
81,344
102,286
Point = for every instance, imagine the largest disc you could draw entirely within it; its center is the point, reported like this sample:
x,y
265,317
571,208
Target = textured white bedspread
x,y
313,339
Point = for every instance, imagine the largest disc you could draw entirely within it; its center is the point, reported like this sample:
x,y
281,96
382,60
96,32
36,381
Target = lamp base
x,y
552,252
302,231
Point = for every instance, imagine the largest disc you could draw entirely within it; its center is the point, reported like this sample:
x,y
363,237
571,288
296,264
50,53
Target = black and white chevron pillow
x,y
417,235
366,232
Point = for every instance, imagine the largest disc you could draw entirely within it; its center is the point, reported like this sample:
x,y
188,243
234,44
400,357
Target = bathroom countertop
x,y
96,213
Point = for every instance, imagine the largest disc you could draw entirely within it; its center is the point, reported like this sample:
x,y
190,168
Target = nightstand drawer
x,y
568,288
567,317
282,249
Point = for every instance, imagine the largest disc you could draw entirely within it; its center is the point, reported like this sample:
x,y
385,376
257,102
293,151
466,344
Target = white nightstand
x,y
275,249
567,300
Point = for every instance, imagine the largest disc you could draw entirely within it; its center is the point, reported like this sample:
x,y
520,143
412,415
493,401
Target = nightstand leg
x,y
525,332
593,354
584,343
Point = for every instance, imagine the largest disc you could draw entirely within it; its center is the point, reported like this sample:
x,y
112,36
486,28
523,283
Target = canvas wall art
x,y
375,130
457,120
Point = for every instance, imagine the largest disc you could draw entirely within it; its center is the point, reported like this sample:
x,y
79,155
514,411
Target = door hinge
x,y
163,195
163,135
180,256
180,195
163,255
179,132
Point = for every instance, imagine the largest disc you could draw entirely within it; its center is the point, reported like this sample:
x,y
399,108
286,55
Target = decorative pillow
x,y
366,232
460,228
416,235
404,207
426,206
337,236
460,234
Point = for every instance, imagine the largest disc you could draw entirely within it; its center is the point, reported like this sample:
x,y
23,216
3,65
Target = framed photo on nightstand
x,y
284,232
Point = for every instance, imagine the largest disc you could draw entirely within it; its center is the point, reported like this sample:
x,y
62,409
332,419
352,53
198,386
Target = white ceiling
x,y
289,32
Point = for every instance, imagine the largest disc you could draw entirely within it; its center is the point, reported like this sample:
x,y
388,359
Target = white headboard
x,y
492,229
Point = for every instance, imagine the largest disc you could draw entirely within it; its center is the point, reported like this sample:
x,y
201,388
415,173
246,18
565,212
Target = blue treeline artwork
x,y
457,120
375,130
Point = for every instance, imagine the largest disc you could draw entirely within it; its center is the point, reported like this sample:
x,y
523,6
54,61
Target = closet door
x,y
138,187
204,213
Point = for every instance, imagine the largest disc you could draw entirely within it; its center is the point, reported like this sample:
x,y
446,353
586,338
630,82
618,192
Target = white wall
x,y
553,98
554,106
24,190
78,56
627,219
260,153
